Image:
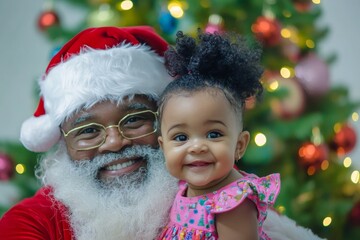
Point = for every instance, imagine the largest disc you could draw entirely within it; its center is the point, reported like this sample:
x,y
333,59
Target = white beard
x,y
135,207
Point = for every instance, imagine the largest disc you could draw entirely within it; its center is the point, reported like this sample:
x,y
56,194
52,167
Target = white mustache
x,y
98,162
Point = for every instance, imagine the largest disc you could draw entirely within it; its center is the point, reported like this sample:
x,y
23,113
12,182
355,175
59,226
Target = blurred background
x,y
306,127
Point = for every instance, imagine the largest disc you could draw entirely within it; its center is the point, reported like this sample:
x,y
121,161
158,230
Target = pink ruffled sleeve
x,y
262,191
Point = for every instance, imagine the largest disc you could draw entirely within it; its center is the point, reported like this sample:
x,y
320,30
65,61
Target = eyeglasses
x,y
131,126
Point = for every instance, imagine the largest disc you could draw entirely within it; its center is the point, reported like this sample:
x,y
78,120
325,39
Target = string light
x,y
355,176
337,127
286,72
291,33
216,19
126,5
175,9
355,116
104,14
347,162
311,170
260,139
281,209
310,43
20,168
273,86
327,221
324,165
285,33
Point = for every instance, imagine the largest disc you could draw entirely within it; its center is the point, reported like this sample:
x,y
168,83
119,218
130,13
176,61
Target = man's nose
x,y
114,141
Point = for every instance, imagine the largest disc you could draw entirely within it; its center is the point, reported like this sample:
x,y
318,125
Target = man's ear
x,y
160,141
242,143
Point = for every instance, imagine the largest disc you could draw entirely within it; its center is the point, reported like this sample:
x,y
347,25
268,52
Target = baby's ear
x,y
160,141
242,143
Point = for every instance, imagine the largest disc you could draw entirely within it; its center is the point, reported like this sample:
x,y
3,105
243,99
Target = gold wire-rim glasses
x,y
112,126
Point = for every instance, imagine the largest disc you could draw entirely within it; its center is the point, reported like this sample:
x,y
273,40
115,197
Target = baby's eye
x,y
180,138
214,135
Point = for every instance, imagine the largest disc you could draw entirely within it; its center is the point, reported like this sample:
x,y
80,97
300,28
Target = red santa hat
x,y
97,64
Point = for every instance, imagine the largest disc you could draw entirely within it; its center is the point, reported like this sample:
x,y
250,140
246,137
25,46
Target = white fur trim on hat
x,y
85,79
90,77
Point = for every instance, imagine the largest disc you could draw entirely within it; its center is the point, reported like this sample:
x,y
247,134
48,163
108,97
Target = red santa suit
x,y
38,217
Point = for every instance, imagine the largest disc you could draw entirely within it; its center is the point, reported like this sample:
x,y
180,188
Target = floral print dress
x,y
194,217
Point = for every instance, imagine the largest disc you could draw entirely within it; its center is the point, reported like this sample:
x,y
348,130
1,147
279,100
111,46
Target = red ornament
x,y
48,19
344,140
292,104
354,215
267,31
6,167
313,155
313,74
303,5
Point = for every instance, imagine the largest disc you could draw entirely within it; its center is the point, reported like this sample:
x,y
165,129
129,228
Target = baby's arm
x,y
241,223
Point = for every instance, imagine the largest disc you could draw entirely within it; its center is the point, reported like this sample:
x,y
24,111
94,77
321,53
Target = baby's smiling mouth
x,y
198,164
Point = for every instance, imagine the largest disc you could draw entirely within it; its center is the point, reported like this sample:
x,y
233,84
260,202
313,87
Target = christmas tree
x,y
302,128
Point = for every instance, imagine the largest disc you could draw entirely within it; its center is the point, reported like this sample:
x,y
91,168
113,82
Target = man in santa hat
x,y
103,175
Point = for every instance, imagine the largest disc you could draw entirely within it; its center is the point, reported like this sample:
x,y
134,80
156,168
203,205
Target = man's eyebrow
x,y
137,106
81,119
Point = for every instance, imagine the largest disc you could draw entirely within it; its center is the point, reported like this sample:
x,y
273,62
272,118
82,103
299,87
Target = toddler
x,y
202,135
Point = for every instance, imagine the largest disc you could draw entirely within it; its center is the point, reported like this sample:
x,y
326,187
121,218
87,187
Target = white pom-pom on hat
x,y
98,63
39,133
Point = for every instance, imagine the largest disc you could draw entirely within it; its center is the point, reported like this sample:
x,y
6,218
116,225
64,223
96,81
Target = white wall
x,y
25,53
344,39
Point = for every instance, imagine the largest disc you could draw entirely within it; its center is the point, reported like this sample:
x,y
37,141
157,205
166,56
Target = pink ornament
x,y
293,103
215,24
313,74
303,5
6,167
212,28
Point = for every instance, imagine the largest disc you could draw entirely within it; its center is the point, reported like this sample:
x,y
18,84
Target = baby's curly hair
x,y
222,61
